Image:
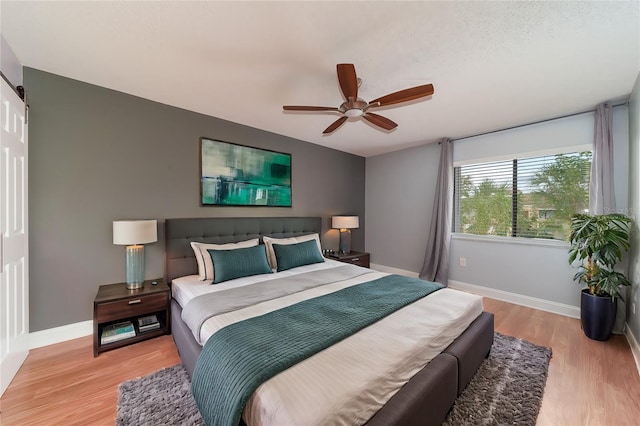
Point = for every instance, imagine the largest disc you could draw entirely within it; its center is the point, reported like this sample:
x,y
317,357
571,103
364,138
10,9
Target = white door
x,y
14,249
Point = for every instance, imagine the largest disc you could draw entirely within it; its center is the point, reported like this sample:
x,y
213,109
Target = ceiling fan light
x,y
353,112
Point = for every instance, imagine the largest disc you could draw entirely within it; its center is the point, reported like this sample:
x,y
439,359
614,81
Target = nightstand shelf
x,y
354,257
115,303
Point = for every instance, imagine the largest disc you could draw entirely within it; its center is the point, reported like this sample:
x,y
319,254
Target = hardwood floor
x,y
64,384
589,383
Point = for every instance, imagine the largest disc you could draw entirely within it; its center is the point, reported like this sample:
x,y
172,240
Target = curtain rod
x,y
536,122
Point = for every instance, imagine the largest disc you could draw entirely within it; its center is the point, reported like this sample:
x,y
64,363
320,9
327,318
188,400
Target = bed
x,y
424,397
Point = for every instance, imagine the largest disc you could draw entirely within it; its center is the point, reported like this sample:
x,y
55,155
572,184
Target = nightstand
x,y
354,257
115,303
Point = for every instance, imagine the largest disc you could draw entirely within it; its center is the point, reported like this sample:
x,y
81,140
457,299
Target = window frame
x,y
509,157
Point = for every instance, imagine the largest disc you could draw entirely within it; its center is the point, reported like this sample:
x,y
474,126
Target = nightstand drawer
x,y
133,306
355,258
359,260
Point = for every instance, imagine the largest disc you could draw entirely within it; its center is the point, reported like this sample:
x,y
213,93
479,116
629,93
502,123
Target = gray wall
x,y
400,192
539,271
633,319
97,155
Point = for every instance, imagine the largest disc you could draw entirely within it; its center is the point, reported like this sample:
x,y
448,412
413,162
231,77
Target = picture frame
x,y
239,175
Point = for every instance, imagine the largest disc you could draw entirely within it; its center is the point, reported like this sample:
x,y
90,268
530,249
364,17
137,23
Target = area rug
x,y
507,389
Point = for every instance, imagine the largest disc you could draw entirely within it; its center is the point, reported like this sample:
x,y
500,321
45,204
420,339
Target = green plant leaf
x,y
599,242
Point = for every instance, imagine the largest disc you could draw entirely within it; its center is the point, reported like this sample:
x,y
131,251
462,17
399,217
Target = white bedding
x,y
338,386
183,289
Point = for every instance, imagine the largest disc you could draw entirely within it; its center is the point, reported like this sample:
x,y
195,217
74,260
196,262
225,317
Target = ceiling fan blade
x,y
348,81
335,125
403,96
308,108
380,121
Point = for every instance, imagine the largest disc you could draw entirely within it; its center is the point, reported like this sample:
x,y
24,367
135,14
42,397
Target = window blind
x,y
523,197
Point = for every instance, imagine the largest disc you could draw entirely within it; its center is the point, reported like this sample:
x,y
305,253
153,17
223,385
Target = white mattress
x,y
348,382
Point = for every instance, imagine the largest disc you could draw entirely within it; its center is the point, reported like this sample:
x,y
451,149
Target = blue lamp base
x,y
135,267
345,241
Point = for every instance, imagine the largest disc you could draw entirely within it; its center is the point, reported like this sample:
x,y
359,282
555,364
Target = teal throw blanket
x,y
240,357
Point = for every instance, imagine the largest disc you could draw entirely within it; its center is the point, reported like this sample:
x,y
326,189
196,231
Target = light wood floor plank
x,y
590,383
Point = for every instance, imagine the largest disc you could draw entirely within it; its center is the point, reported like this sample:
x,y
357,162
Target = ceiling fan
x,y
356,107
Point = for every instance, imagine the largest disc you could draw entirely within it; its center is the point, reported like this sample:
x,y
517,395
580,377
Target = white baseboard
x,y
543,305
635,347
54,335
518,299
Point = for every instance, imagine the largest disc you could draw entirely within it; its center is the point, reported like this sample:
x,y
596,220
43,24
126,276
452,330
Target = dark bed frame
x,y
423,400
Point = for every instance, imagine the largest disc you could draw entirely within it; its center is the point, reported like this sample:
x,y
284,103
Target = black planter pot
x,y
598,315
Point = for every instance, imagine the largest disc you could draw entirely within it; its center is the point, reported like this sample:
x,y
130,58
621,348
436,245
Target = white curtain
x,y
602,198
436,259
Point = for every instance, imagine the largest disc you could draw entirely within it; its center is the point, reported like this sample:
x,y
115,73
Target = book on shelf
x,y
115,332
149,327
150,322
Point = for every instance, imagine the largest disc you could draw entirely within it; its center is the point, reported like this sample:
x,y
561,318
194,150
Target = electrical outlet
x,y
463,262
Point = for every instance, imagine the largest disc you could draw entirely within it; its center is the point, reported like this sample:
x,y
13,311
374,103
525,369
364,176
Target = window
x,y
524,197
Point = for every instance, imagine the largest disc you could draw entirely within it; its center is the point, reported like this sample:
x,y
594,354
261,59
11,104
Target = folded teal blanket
x,y
240,357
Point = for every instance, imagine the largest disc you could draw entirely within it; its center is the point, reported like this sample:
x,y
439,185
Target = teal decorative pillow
x,y
292,255
242,262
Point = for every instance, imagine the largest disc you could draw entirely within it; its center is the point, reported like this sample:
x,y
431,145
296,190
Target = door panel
x,y
14,249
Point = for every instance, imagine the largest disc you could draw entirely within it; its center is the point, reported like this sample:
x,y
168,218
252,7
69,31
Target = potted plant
x,y
598,242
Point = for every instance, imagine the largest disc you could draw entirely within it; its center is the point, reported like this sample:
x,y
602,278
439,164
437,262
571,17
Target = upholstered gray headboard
x,y
179,233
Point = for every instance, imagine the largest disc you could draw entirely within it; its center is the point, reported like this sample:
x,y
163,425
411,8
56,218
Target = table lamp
x,y
345,224
133,234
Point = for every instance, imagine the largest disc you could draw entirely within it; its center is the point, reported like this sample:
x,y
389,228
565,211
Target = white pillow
x,y
205,264
269,242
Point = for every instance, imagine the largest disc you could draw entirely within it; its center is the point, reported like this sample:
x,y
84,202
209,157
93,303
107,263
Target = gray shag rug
x,y
506,390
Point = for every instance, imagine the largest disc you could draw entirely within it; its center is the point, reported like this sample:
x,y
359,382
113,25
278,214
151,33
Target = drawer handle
x,y
133,302
355,259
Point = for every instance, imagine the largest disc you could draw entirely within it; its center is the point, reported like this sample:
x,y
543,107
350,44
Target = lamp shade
x,y
345,222
127,232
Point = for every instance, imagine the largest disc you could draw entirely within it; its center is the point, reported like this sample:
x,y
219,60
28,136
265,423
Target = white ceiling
x,y
493,64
